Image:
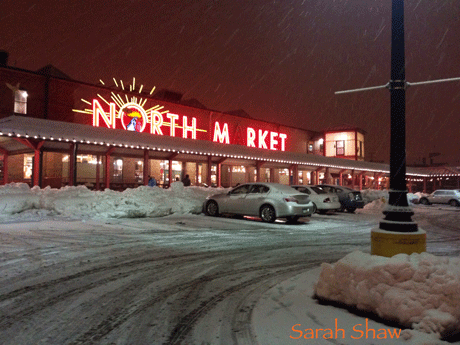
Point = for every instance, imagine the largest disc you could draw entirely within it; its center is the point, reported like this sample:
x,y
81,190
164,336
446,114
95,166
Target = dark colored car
x,y
350,199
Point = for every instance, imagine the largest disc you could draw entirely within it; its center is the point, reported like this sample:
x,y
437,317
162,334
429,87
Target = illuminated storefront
x,y
56,131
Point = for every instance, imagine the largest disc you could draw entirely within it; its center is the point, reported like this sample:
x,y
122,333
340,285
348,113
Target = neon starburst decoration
x,y
124,103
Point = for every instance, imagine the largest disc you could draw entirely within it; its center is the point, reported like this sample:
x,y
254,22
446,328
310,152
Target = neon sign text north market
x,y
132,116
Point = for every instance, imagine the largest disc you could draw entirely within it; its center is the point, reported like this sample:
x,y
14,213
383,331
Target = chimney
x,y
3,58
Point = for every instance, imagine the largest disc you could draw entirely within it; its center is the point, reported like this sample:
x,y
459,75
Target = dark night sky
x,y
280,61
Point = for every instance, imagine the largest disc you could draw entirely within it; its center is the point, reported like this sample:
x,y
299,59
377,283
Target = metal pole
x,y
398,213
74,157
40,168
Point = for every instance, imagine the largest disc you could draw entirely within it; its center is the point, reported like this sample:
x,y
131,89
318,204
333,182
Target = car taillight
x,y
291,199
327,200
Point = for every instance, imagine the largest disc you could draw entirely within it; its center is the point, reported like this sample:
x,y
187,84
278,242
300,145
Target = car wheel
x,y
453,203
424,201
351,209
212,209
292,219
342,208
267,213
314,208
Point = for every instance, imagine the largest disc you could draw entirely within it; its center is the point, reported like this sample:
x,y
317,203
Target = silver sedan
x,y
268,201
322,200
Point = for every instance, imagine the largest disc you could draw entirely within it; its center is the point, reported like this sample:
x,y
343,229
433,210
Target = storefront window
x,y
238,169
200,170
267,175
118,170
322,177
176,171
28,166
213,175
90,159
139,171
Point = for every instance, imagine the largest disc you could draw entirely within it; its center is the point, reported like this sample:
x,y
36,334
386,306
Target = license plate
x,y
305,210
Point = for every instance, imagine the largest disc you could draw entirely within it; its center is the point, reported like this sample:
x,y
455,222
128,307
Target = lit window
x,y
20,102
90,159
139,171
27,167
117,170
340,148
238,169
321,145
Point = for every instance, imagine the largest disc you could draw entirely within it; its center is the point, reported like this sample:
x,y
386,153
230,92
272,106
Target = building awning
x,y
58,135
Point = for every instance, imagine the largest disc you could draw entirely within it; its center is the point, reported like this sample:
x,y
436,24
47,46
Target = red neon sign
x,y
133,117
265,139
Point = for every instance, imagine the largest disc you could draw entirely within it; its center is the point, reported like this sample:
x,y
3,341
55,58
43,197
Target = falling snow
x,y
280,61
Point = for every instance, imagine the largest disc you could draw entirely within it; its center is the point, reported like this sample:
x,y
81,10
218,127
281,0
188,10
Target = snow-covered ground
x,y
419,291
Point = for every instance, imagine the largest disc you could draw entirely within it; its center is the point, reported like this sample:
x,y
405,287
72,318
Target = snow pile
x,y
420,291
80,202
17,197
376,205
377,199
369,195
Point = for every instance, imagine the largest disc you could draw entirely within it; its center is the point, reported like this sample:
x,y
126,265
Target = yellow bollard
x,y
389,243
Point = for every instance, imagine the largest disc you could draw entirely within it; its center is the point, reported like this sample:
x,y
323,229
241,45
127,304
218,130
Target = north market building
x,y
56,131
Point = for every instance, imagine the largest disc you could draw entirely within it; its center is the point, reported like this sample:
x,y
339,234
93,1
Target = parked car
x,y
268,201
442,196
322,200
350,199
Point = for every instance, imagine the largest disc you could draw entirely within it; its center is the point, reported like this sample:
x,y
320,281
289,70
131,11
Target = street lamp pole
x,y
398,213
397,233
